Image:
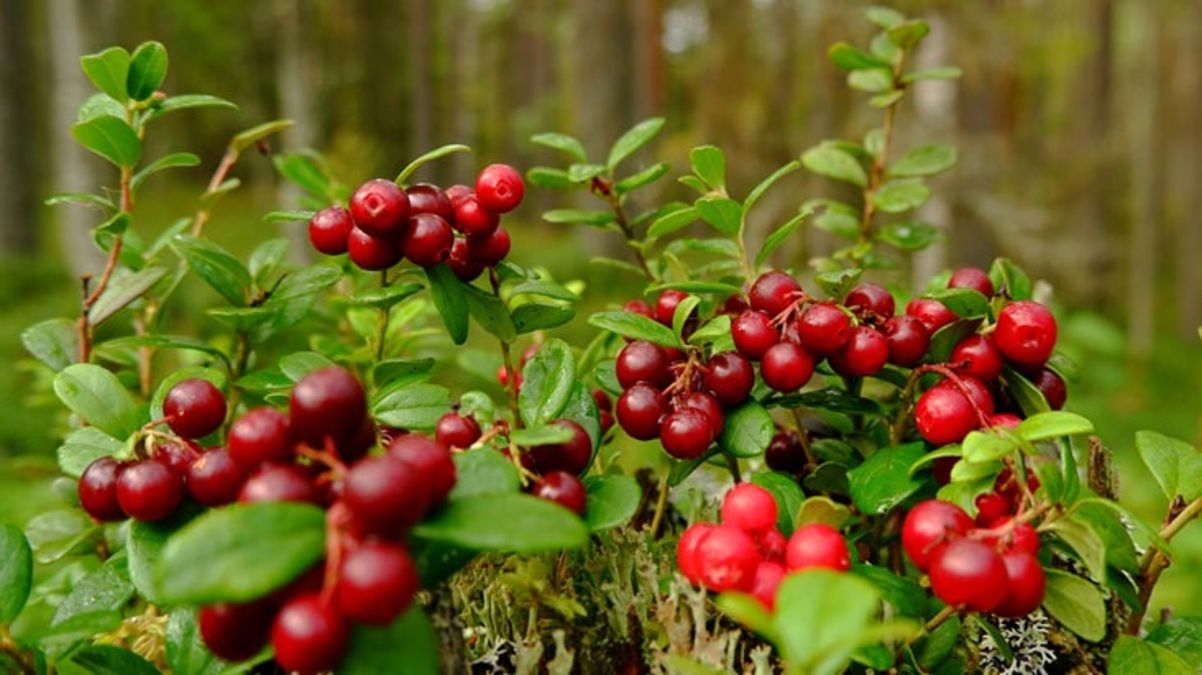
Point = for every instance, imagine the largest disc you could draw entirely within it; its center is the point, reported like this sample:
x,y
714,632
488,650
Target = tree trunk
x,y
1144,98
18,206
294,85
1189,240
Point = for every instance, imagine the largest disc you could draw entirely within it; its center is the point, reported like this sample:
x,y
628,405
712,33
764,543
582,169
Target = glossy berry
x,y
817,545
730,377
1051,386
98,489
427,198
194,408
864,355
753,333
908,339
309,635
978,357
603,401
605,419
749,507
235,632
1026,333
990,507
932,313
328,402
1021,537
385,495
639,410
929,526
260,435
279,483
149,490
870,299
489,250
461,263
1005,420
572,455
457,192
499,188
785,453
329,230
1025,585
639,307
735,304
967,573
823,328
214,478
706,404
562,488
456,431
376,583
178,454
431,459
686,433
971,277
786,367
768,576
473,219
726,559
642,361
773,292
686,551
665,305
373,253
772,544
380,208
429,241
944,415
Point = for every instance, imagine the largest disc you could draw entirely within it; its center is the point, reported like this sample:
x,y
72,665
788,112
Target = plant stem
x,y
943,615
1154,561
227,162
23,659
732,465
382,328
511,374
876,175
661,505
605,189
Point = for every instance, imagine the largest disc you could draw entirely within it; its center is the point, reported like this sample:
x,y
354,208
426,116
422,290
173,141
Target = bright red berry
x,y
785,453
971,277
572,455
1051,386
686,433
665,305
1021,537
823,328
642,361
380,208
194,408
329,230
373,253
817,545
489,250
772,545
260,435
499,188
432,461
1025,585
726,559
385,495
427,198
328,402
735,304
932,313
730,377
686,551
214,478
753,333
562,488
639,410
870,299
98,489
768,577
864,355
749,507
929,526
178,454
709,406
429,241
977,356
235,632
968,573
473,219
944,414
279,483
1005,420
457,192
461,263
639,307
908,339
773,292
1026,333
990,507
786,367
456,431
149,490
376,583
309,635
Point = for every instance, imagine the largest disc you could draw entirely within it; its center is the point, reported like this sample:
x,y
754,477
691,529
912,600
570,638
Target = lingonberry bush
x,y
907,492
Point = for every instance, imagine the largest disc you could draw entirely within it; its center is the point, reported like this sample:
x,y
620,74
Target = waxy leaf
x,y
96,395
514,523
16,572
547,381
612,501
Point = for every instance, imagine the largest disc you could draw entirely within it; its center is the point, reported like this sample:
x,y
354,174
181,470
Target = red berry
x,y
932,313
149,490
823,329
817,545
686,433
279,483
971,277
1005,420
945,415
726,559
373,253
735,304
427,198
235,632
1051,386
773,292
642,361
380,208
456,431
606,419
785,453
929,526
990,507
706,404
385,495
686,551
639,410
1026,333
786,367
730,377
178,454
908,340
603,401
98,489
562,488
977,356
194,408
376,583
749,507
429,241
309,635
473,219
753,333
1021,537
865,354
329,230
328,402
967,573
639,307
261,435
489,250
772,545
1025,585
499,188
768,576
572,455
870,299
457,192
665,305
432,461
461,263
214,478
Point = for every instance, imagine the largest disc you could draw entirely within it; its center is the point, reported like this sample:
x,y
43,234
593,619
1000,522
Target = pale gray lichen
x,y
1028,638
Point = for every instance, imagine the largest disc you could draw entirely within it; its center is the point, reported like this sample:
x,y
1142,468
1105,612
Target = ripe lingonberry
x,y
429,241
639,307
749,507
1021,537
456,431
461,263
768,577
686,433
572,455
499,188
1051,386
871,300
177,453
279,483
427,198
773,292
261,435
1026,333
1024,587
214,478
730,377
473,219
98,489
639,410
772,545
686,551
705,403
971,277
817,545
373,253
929,526
491,249
977,356
733,305
863,355
432,461
990,507
753,333
194,408
642,361
944,414
823,329
380,208
908,340
785,453
328,402
1005,420
726,559
932,313
457,192
786,366
309,635
603,401
562,488
149,490
329,230
665,305
376,583
605,419
968,573
385,495
235,632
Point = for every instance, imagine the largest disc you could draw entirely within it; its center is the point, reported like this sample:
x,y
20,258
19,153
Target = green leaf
x,y
54,534
987,446
219,269
778,236
1182,635
411,371
308,171
1053,424
787,494
835,399
514,523
111,138
902,194
123,290
171,161
758,191
105,589
848,57
883,481
1076,603
582,409
910,235
1009,279
723,213
635,326
249,137
490,312
832,162
709,164
144,544
413,406
532,436
547,380
909,34
54,342
84,446
109,660
387,296
81,199
884,17
748,430
99,104
1084,541
1133,656
562,142
547,177
186,101
450,299
96,395
821,509
642,178
162,342
530,317
872,80
483,471
1112,530
1176,465
839,223
579,216
239,553
108,71
612,501
408,646
965,303
673,221
583,173
185,651
747,610
821,617
635,138
147,68
430,156
925,160
905,595
939,73
16,572
1026,394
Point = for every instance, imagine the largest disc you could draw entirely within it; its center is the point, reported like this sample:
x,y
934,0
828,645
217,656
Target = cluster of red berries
x,y
423,223
747,553
990,565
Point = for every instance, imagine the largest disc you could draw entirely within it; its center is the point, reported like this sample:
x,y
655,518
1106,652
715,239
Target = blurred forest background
x,y
1077,122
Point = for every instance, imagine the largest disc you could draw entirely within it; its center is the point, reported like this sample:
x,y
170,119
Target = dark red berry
x,y
457,192
178,454
214,478
329,230
499,188
562,488
427,198
261,435
686,433
235,632
328,402
603,401
98,489
930,312
749,507
908,340
376,583
642,361
385,495
309,635
149,490
639,307
730,377
785,453
753,333
1005,420
1026,333
967,573
786,367
971,277
432,461
665,305
461,263
772,545
990,507
639,410
686,551
977,356
429,241
823,329
864,355
572,455
735,304
456,431
279,483
870,299
817,545
773,292
929,526
373,253
725,559
1024,587
489,250
194,408
473,219
705,403
768,577
944,415
1051,386
380,208
605,419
